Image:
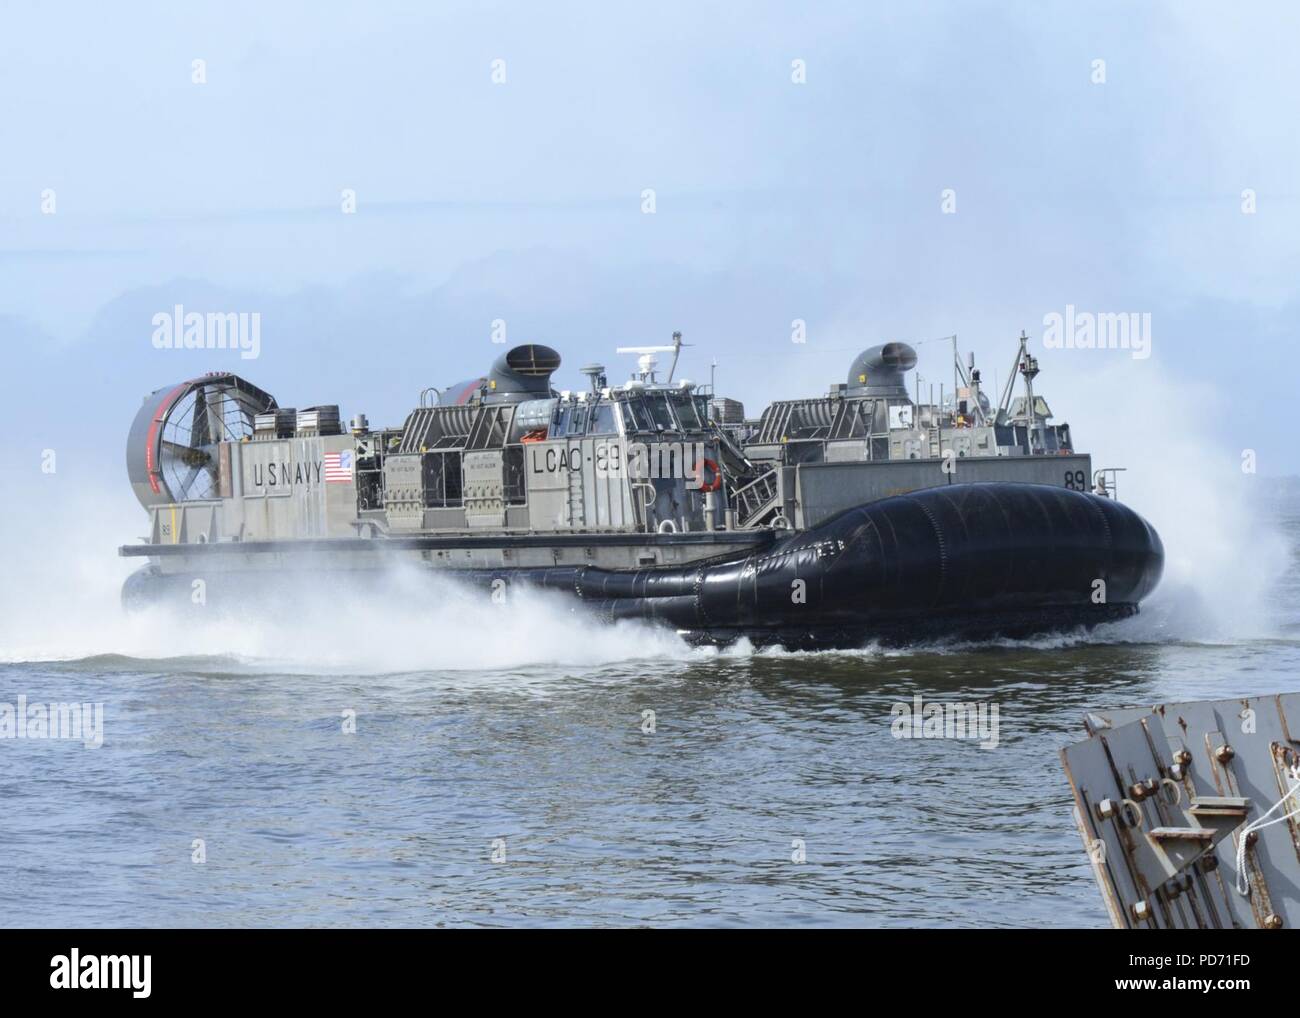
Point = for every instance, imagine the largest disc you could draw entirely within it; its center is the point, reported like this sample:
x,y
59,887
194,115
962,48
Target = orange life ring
x,y
716,483
536,435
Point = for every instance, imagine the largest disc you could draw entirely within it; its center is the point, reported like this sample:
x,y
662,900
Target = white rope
x,y
1243,880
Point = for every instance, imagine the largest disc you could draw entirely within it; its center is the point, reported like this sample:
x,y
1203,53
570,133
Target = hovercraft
x,y
865,514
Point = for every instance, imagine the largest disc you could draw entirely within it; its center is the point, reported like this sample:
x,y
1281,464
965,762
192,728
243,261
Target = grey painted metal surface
x,y
823,489
1189,812
506,472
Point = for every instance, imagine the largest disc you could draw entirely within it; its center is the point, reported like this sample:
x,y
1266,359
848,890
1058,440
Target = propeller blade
x,y
199,418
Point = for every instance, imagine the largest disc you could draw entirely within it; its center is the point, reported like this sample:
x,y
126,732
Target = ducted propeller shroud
x,y
172,449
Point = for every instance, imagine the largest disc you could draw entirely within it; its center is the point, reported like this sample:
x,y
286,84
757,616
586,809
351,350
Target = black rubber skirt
x,y
966,560
962,561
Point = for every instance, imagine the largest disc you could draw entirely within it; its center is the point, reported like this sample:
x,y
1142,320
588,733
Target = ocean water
x,y
504,769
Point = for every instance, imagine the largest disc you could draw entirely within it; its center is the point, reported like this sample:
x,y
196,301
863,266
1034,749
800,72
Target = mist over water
x,y
1226,554
62,602
1225,549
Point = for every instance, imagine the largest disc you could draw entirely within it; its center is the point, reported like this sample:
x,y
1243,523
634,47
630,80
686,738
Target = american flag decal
x,y
338,468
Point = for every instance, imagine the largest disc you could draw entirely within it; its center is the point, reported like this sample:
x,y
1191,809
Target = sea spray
x,y
1224,551
60,600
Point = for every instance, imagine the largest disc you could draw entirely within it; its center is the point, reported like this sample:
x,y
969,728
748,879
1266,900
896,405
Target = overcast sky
x,y
1114,187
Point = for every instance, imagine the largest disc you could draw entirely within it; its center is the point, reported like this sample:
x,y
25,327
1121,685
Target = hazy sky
x,y
523,200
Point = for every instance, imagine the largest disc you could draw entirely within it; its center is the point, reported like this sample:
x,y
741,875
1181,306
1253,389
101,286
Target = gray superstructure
x,y
868,439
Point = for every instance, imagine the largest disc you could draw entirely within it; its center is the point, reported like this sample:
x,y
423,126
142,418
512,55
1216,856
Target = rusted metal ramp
x,y
1190,812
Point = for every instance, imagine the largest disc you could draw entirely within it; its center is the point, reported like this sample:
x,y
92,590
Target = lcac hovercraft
x,y
865,514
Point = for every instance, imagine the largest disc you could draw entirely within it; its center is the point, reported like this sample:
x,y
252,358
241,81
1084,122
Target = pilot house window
x,y
634,413
662,414
602,419
685,407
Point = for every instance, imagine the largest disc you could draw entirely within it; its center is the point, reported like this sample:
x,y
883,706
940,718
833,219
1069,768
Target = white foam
x,y
1224,553
61,601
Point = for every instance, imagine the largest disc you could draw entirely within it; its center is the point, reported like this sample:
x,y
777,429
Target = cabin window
x,y
602,420
685,407
635,415
663,415
578,421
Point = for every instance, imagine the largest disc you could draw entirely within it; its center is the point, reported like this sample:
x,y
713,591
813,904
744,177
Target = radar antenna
x,y
647,362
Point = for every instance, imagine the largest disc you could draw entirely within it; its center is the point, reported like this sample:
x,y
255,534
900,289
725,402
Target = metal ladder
x,y
936,441
577,510
756,500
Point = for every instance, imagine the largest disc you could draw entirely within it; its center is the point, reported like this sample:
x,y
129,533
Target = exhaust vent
x,y
533,361
522,373
879,371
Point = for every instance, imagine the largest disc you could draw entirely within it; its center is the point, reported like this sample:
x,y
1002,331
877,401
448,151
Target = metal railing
x,y
754,497
1105,482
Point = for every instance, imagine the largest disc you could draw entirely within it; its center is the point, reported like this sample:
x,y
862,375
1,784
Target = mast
x,y
1029,368
956,371
1004,404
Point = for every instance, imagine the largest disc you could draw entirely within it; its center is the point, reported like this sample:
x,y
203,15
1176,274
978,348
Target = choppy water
x,y
241,745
